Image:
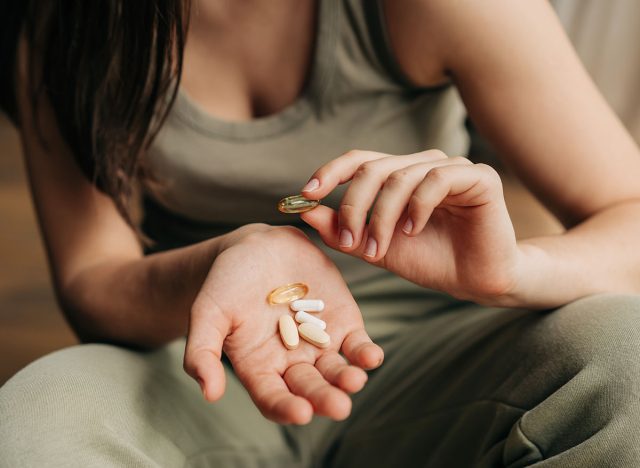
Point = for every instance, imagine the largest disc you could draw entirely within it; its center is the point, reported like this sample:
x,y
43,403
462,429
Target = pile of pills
x,y
310,328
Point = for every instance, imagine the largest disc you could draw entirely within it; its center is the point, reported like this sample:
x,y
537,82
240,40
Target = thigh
x,y
100,405
461,388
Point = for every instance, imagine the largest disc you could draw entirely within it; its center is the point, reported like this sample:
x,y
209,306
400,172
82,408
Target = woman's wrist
x,y
545,278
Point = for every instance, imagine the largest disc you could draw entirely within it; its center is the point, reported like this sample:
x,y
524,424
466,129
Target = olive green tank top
x,y
217,175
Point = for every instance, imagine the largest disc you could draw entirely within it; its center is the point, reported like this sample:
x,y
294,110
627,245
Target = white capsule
x,y
303,317
308,305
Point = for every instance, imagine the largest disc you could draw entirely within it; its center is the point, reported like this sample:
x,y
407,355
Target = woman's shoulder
x,y
429,36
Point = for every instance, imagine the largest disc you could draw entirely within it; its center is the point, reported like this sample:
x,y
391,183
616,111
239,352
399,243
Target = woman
x,y
270,93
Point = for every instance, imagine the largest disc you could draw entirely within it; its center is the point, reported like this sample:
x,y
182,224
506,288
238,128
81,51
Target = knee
x,y
73,388
600,331
67,373
605,326
584,378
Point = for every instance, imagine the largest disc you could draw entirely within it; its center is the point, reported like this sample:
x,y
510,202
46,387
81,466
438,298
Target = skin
x,y
526,91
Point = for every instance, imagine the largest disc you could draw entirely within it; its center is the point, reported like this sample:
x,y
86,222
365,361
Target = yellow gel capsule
x,y
288,293
296,204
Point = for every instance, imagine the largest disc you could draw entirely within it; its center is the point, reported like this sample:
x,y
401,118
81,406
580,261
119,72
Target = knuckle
x,y
257,227
365,170
485,168
435,154
288,230
489,175
397,178
353,153
460,160
436,175
272,234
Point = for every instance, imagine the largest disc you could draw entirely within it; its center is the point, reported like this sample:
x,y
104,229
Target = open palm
x,y
231,314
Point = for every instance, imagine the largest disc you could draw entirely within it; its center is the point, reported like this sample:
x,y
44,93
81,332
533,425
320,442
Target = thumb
x,y
208,328
324,220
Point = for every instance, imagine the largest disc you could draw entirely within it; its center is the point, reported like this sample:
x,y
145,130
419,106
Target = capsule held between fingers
x,y
296,204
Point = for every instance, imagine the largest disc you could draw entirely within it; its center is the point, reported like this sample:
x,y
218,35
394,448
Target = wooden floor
x,y
31,324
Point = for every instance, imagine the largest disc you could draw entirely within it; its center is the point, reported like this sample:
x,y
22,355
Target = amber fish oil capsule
x,y
296,204
288,293
303,317
314,335
308,305
288,332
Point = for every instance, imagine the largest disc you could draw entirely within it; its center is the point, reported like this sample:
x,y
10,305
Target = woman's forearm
x,y
140,303
600,255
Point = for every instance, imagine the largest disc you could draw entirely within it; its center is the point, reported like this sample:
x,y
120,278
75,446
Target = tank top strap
x,y
362,62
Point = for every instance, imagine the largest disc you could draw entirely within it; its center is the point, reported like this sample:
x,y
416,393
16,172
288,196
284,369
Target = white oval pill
x,y
303,317
288,332
314,335
308,305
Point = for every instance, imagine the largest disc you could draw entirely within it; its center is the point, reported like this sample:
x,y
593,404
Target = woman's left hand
x,y
439,222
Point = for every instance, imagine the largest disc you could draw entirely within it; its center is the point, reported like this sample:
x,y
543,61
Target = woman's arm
x,y
107,289
213,292
527,91
442,222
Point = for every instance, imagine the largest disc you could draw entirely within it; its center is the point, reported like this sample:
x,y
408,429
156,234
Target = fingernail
x,y
312,185
346,238
408,226
371,247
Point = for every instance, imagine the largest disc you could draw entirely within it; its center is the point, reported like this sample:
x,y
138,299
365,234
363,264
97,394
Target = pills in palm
x,y
311,328
288,332
296,204
314,335
308,305
303,317
288,293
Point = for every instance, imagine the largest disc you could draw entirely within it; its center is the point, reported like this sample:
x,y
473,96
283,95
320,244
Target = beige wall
x,y
606,34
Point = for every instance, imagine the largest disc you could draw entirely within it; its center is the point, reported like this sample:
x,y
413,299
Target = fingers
x,y
361,351
275,400
461,185
338,372
406,201
324,220
392,202
336,172
366,182
342,169
305,380
367,172
208,327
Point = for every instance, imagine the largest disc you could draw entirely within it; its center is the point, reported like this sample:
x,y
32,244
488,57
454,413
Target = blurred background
x,y
605,34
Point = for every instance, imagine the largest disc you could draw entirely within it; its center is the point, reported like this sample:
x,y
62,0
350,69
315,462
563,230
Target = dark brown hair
x,y
110,69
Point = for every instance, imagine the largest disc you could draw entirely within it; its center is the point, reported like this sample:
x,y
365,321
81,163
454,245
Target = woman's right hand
x,y
231,315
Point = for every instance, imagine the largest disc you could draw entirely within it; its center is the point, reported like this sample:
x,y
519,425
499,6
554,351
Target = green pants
x,y
462,386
